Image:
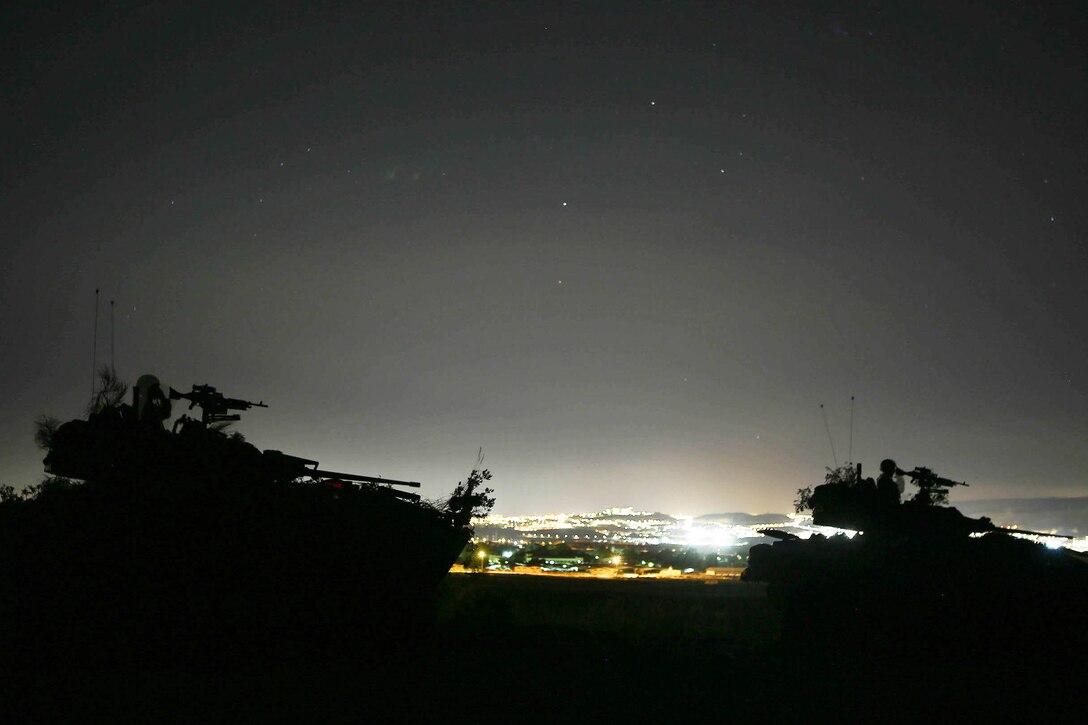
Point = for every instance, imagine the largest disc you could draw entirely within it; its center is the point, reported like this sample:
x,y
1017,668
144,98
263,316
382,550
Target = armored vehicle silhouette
x,y
188,543
914,571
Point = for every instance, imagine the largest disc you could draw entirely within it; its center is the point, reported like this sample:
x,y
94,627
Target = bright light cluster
x,y
628,526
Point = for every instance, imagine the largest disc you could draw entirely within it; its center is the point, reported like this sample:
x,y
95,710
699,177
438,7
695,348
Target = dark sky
x,y
628,249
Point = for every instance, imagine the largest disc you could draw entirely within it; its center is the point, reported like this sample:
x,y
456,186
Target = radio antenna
x,y
94,346
828,428
113,357
850,453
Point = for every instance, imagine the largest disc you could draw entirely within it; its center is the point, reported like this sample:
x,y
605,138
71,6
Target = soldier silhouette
x,y
151,405
889,485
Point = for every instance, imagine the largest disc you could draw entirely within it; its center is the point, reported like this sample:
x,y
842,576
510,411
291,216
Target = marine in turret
x,y
150,403
889,485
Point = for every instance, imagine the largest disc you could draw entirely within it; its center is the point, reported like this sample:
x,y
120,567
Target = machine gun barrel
x,y
924,476
237,404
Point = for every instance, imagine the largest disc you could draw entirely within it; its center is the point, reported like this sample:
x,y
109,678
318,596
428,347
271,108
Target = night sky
x,y
627,249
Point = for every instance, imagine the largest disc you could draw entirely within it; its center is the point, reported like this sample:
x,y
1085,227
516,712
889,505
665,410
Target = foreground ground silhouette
x,y
536,648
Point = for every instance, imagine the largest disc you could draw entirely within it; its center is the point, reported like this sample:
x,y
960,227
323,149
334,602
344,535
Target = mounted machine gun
x,y
213,405
932,489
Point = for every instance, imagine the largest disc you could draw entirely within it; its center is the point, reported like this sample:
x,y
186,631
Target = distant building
x,y
725,572
561,563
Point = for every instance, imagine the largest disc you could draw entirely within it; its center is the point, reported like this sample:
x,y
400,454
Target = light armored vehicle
x,y
185,542
907,567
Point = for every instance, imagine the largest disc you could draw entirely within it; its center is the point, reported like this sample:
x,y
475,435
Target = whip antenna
x,y
850,453
113,357
828,427
94,347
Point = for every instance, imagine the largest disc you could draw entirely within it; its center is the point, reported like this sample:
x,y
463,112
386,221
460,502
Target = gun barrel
x,y
1029,532
924,475
239,404
357,477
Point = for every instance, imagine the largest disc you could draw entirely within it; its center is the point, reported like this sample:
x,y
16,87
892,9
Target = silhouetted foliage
x,y
470,499
110,391
846,474
44,428
803,502
45,488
